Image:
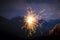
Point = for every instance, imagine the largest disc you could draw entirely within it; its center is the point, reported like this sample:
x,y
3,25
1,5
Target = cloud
x,y
42,1
13,8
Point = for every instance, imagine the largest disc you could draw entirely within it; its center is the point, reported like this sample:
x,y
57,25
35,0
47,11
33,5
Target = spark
x,y
42,11
31,22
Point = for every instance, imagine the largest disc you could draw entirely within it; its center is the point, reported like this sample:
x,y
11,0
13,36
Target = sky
x,y
14,8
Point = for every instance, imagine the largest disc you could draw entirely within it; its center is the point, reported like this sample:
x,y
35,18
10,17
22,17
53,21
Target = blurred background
x,y
12,14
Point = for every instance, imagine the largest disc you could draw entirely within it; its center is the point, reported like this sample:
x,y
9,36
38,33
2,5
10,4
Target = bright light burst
x,y
31,22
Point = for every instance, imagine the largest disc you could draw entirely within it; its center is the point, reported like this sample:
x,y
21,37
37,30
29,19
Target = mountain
x,y
13,27
18,23
56,30
6,25
50,24
9,29
3,23
54,34
46,26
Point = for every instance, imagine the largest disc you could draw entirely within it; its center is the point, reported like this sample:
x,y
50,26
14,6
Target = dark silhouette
x,y
11,29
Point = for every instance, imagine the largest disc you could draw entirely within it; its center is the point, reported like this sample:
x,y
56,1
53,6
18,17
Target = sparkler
x,y
31,22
